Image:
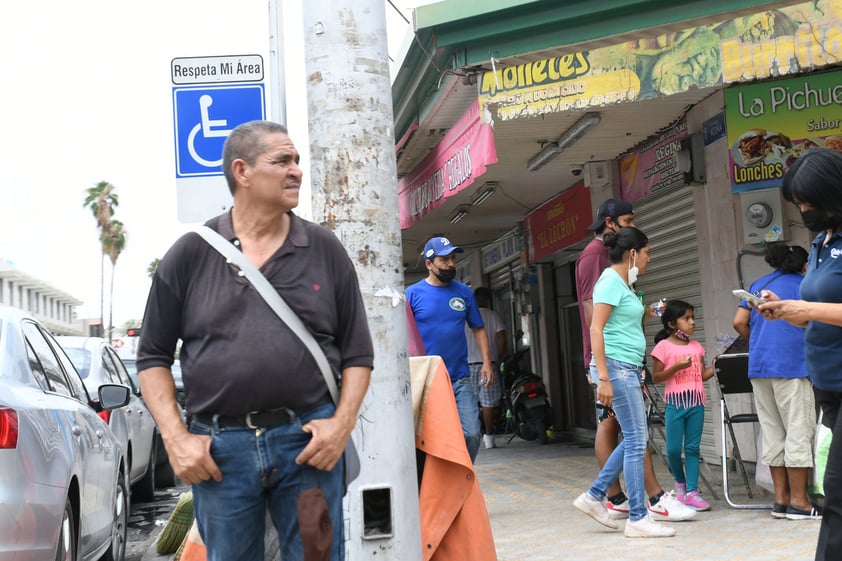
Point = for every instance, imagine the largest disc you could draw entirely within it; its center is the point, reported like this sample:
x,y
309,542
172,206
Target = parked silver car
x,y
98,363
164,474
63,491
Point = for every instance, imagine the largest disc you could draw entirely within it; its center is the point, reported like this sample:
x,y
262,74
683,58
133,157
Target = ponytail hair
x,y
673,310
624,240
786,258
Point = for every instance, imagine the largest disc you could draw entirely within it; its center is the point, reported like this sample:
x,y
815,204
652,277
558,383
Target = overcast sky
x,y
88,97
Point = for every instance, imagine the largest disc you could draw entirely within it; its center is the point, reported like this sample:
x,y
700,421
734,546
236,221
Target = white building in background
x,y
54,308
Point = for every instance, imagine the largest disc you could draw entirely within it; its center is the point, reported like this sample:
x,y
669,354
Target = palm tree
x,y
102,200
153,266
113,243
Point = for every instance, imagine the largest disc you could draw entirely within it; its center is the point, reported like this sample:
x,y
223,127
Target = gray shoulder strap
x,y
274,300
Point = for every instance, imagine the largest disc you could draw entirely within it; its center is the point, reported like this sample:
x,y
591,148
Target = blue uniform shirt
x,y
440,313
823,342
776,348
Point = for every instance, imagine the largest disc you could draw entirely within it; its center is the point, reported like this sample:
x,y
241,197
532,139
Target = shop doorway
x,y
580,399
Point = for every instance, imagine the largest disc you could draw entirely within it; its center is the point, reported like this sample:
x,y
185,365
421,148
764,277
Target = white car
x,y
164,474
134,426
63,486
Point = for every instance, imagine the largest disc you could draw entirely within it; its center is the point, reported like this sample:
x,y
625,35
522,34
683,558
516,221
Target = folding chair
x,y
653,401
732,375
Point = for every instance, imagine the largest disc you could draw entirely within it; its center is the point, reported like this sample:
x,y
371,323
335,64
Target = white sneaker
x,y
617,512
488,441
668,508
648,528
595,509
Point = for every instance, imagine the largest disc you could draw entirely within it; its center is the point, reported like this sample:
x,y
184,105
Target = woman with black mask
x,y
814,184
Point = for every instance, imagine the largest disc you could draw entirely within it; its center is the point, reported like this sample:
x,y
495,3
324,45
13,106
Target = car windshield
x,y
131,367
81,359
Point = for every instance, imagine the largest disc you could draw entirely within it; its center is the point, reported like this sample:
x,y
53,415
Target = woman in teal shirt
x,y
618,346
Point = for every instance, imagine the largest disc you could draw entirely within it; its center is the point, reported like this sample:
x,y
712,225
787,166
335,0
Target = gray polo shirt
x,y
237,356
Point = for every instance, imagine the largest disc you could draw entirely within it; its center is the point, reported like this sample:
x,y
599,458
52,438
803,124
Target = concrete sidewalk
x,y
529,490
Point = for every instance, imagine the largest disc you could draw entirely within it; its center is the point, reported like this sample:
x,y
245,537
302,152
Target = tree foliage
x,y
102,199
153,266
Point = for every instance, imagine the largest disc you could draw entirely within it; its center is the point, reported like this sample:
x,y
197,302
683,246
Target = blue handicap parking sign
x,y
204,117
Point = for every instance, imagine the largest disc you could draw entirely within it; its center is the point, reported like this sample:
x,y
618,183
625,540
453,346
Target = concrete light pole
x,y
354,182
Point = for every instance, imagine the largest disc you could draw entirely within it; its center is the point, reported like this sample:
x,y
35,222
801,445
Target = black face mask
x,y
446,275
819,220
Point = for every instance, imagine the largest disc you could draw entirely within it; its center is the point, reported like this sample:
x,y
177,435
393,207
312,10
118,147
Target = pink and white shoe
x,y
695,501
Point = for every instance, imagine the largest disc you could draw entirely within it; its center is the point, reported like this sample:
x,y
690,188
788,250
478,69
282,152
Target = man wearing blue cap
x,y
442,306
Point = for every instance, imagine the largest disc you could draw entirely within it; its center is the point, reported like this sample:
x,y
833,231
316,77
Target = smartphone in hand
x,y
748,296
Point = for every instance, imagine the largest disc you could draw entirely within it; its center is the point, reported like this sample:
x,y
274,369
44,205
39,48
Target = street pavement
x,y
146,521
529,491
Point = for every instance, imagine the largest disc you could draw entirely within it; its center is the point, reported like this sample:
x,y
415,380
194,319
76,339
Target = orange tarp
x,y
454,518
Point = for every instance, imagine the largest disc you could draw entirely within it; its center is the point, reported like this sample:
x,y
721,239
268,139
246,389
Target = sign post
x,y
211,96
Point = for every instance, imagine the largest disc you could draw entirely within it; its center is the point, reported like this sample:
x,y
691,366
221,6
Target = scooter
x,y
525,399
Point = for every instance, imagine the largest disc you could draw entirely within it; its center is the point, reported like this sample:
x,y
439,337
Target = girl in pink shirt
x,y
679,361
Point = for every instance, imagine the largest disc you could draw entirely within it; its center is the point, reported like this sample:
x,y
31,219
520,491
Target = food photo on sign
x,y
771,124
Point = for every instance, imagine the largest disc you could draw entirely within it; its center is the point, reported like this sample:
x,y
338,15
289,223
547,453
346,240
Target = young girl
x,y
679,361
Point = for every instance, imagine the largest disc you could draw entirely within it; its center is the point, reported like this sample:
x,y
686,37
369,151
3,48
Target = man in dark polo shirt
x,y
264,429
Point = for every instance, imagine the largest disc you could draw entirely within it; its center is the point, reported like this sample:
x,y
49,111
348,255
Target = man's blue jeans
x,y
259,473
628,455
466,405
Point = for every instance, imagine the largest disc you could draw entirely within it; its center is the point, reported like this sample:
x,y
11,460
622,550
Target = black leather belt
x,y
253,420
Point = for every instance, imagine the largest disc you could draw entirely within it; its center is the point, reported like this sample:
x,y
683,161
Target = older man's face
x,y
275,176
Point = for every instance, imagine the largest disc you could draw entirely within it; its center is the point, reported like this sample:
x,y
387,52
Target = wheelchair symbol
x,y
208,131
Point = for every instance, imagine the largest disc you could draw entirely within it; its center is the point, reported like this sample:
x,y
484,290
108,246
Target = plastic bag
x,y
820,451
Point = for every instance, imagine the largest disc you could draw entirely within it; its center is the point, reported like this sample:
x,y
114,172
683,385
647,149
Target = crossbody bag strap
x,y
768,282
274,300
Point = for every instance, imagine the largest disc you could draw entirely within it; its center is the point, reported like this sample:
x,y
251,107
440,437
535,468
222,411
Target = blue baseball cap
x,y
439,247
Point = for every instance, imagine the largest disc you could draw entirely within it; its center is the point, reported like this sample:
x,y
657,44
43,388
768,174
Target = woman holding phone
x,y
814,184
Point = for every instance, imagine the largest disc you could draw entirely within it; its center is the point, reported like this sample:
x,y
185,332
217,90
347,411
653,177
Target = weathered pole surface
x,y
354,182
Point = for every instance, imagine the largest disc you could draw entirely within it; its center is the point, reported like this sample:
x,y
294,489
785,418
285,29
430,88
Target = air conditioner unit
x,y
597,174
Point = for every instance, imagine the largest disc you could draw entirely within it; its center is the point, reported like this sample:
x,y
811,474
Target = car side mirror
x,y
112,396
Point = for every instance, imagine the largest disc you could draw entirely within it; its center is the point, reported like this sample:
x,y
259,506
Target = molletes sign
x,y
217,69
769,43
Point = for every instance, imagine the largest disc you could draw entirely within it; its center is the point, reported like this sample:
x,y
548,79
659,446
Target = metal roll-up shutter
x,y
669,221
501,278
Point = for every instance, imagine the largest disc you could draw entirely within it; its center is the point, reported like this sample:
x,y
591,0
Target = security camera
x,y
576,169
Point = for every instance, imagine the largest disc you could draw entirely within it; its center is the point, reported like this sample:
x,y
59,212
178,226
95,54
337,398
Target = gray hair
x,y
246,142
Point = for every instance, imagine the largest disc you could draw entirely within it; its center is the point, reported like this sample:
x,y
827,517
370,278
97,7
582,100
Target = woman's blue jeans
x,y
627,457
259,473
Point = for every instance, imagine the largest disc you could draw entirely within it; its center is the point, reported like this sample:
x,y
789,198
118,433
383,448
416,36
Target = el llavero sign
x,y
217,69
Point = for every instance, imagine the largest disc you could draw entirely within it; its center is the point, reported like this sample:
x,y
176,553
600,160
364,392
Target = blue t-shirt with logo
x,y
823,342
440,314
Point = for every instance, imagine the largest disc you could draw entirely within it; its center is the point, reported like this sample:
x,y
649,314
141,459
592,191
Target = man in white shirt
x,y
489,396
